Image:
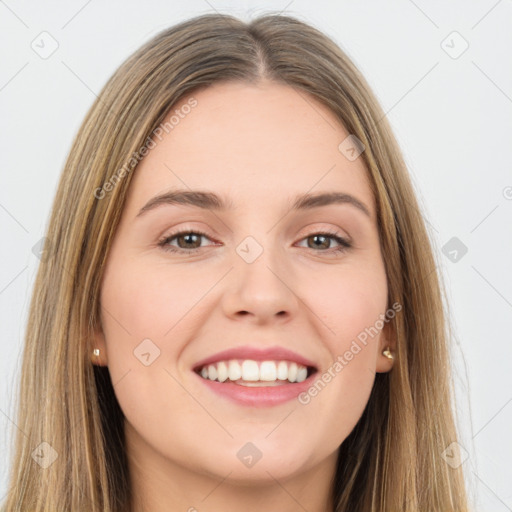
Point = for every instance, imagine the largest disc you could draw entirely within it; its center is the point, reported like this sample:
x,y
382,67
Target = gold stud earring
x,y
96,352
388,353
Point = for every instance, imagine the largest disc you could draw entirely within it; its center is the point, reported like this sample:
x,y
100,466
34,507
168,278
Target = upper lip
x,y
256,354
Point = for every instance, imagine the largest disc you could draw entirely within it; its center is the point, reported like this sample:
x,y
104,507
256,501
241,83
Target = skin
x,y
259,146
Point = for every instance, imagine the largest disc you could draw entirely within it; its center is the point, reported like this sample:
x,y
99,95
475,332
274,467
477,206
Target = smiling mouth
x,y
251,373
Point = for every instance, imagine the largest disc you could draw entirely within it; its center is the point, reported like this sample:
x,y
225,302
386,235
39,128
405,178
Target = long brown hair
x,y
392,460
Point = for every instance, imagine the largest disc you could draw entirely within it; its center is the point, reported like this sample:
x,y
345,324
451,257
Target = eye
x,y
189,242
322,240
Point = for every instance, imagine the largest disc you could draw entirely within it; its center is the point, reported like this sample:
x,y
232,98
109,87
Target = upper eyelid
x,y
308,228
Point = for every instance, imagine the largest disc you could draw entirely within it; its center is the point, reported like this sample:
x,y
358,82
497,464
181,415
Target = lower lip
x,y
262,396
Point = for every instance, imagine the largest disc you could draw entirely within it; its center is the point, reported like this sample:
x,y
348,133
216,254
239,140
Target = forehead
x,y
251,143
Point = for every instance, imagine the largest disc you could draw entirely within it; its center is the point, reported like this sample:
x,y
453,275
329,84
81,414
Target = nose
x,y
261,292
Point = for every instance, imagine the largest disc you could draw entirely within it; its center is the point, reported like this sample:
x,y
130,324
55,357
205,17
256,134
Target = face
x,y
257,275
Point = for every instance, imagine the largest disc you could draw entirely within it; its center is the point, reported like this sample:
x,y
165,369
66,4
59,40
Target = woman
x,y
241,309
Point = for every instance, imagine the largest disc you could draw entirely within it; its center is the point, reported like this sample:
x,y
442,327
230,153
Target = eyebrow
x,y
211,201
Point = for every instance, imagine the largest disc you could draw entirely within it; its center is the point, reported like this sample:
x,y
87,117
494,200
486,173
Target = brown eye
x,y
323,241
320,241
187,241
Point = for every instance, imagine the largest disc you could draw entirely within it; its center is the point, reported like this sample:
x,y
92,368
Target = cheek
x,y
349,311
147,302
149,314
349,305
145,311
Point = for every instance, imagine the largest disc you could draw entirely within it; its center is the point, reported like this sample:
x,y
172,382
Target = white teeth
x,y
260,384
222,371
268,371
235,370
255,373
292,372
302,374
250,370
212,372
282,370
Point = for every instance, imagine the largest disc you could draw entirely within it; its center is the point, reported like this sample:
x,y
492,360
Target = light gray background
x,y
452,117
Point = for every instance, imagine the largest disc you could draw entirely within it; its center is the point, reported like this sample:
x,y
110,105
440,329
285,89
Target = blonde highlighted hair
x,y
392,460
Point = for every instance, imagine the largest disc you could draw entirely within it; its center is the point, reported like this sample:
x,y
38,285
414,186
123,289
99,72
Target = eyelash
x,y
163,243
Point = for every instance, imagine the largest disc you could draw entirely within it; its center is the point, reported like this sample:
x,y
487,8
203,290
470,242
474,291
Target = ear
x,y
387,339
98,343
